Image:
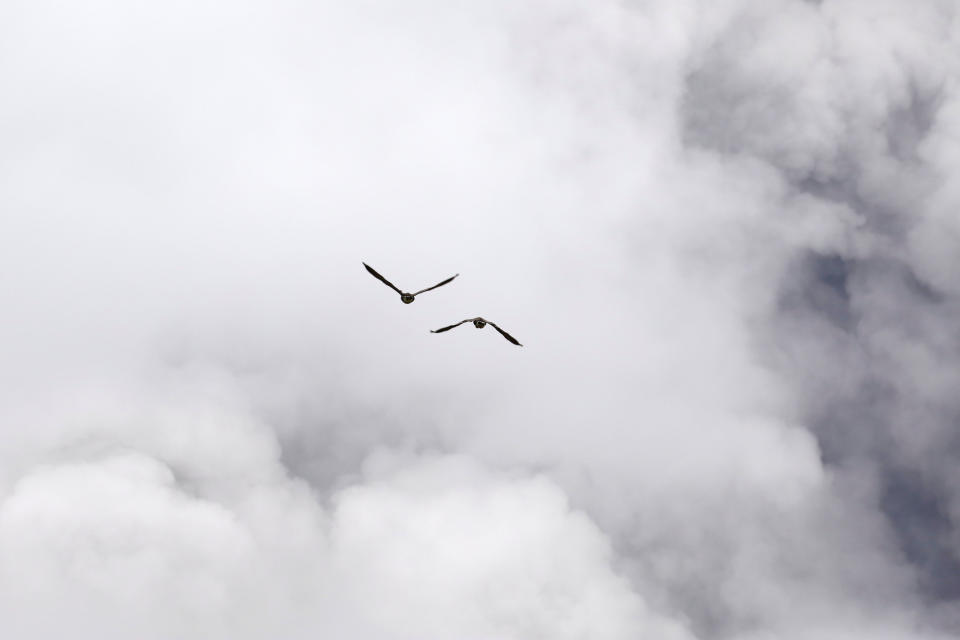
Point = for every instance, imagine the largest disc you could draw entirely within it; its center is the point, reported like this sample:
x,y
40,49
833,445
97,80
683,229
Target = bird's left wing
x,y
379,277
450,327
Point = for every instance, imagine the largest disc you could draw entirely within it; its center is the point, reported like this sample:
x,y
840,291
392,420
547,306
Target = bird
x,y
480,323
407,298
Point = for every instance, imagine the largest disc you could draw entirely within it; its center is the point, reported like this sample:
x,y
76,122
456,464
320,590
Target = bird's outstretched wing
x,y
436,285
505,334
381,278
450,327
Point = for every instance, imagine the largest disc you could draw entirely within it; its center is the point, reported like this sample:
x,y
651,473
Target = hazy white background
x,y
727,233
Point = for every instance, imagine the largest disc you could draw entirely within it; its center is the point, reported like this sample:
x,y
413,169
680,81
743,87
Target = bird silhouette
x,y
407,298
480,323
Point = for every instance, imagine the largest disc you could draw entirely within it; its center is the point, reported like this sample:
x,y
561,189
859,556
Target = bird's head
x,y
406,297
479,323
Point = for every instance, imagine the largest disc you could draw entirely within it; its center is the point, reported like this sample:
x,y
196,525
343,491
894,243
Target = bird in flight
x,y
406,297
480,323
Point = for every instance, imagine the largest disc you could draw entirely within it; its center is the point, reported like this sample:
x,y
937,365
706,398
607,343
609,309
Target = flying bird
x,y
480,323
406,297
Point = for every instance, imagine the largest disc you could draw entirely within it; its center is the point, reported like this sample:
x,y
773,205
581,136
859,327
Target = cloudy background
x,y
727,233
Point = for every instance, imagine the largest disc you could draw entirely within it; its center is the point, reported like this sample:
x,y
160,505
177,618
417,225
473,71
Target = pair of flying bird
x,y
407,298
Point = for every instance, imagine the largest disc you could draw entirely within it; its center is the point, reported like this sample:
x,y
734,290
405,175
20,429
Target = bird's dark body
x,y
405,296
479,323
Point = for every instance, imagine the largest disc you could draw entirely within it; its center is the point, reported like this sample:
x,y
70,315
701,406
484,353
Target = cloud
x,y
491,555
723,232
866,346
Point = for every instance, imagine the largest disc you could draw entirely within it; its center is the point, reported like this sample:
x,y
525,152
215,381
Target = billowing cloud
x,y
725,233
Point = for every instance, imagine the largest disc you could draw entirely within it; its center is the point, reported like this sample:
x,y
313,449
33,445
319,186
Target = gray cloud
x,y
725,233
868,345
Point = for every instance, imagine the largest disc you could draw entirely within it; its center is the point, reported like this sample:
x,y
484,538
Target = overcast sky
x,y
726,232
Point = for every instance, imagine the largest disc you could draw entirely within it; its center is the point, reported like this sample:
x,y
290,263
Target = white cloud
x,y
215,422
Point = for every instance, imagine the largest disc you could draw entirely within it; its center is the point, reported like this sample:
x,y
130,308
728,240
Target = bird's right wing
x,y
505,334
450,327
436,285
381,278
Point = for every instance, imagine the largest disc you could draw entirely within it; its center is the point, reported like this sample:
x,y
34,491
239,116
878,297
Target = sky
x,y
725,232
